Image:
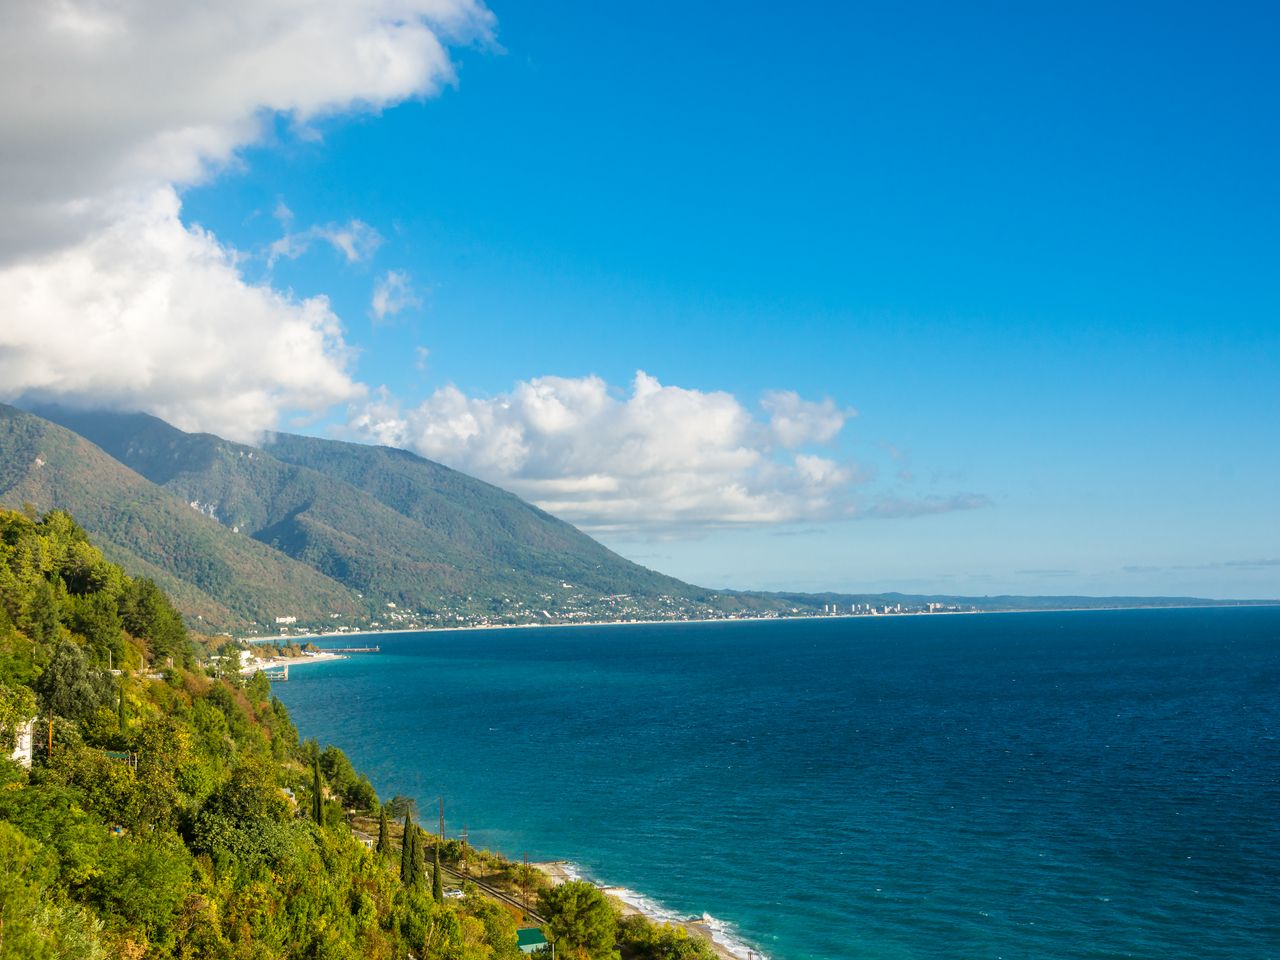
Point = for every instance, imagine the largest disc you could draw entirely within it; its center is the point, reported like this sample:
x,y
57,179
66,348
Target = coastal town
x,y
576,607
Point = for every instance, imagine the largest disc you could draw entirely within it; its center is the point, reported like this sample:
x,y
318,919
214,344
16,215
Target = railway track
x,y
495,893
488,888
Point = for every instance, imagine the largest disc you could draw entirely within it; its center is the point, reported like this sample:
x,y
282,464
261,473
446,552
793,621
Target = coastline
x,y
715,933
273,662
384,632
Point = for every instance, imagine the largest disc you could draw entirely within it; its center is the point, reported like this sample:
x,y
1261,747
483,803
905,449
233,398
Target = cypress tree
x,y
381,848
406,852
437,882
419,859
317,797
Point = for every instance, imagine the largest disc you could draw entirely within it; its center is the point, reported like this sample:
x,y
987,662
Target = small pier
x,y
351,649
276,674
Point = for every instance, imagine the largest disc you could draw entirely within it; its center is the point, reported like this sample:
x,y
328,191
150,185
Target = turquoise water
x,y
1067,785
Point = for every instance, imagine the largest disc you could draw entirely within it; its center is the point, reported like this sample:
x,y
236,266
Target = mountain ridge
x,y
409,534
216,576
338,534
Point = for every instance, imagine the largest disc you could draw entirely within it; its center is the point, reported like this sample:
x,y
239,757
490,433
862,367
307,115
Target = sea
x,y
1093,784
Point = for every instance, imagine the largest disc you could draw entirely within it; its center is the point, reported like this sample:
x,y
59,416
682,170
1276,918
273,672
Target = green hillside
x,y
384,522
224,579
160,806
478,519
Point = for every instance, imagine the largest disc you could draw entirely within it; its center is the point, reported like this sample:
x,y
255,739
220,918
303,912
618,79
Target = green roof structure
x,y
529,939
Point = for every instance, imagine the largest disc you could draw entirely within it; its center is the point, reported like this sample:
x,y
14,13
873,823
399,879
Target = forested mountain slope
x,y
216,576
384,522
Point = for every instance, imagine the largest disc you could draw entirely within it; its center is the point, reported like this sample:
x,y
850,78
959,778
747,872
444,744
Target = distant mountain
x,y
495,532
346,534
386,523
214,575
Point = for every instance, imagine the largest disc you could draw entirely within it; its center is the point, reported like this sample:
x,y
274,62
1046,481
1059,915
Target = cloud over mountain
x,y
655,457
109,110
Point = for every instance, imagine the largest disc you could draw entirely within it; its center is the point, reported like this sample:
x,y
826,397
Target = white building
x,y
25,748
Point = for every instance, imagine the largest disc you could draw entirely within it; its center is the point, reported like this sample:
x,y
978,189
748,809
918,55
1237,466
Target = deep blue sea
x,y
1049,785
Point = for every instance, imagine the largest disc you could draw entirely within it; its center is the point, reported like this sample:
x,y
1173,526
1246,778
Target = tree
x,y
85,571
148,614
317,794
579,920
381,848
419,859
437,882
258,689
94,616
17,706
641,939
406,852
354,789
70,687
33,922
40,619
402,806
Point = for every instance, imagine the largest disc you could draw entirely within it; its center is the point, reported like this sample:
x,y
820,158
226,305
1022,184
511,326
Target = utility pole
x,y
524,883
442,818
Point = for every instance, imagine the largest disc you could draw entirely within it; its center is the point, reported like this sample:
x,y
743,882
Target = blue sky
x,y
1034,249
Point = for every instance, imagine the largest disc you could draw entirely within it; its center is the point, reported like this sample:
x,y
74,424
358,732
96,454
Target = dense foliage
x,y
171,813
170,828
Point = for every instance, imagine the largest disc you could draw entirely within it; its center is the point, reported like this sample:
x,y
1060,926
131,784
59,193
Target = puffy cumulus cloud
x,y
108,109
795,422
148,313
99,101
657,457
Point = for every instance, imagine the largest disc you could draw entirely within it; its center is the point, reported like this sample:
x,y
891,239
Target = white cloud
x,y
392,293
148,313
107,111
355,240
660,457
795,422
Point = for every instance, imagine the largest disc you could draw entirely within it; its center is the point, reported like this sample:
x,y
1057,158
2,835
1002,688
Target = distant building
x,y
285,620
25,748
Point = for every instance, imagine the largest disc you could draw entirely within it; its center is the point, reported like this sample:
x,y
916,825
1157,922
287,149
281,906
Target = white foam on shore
x,y
722,933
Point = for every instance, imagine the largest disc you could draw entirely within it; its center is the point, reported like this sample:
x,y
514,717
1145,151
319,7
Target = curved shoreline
x,y
717,934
